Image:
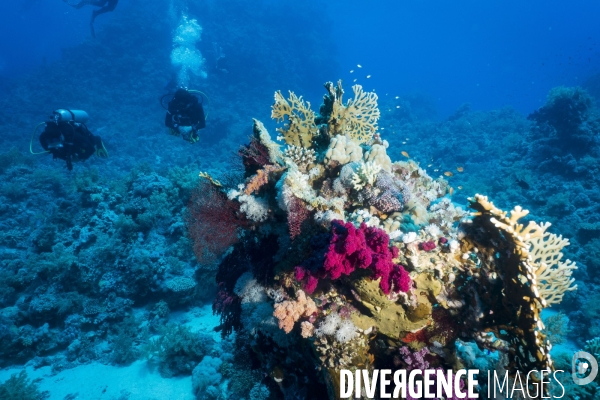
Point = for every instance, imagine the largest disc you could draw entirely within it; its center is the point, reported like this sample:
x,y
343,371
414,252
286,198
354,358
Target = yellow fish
x,y
451,191
460,169
405,154
448,173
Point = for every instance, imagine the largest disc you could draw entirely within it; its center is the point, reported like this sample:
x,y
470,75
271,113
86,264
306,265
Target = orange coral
x,y
290,311
261,178
419,336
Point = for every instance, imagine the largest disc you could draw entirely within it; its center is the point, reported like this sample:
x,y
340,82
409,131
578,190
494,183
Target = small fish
x,y
351,71
354,80
397,106
436,170
407,139
403,142
397,97
368,76
459,187
522,184
451,191
405,154
359,66
429,165
448,173
460,169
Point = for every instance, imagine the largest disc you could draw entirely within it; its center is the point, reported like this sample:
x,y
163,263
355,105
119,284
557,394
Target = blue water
x,y
92,260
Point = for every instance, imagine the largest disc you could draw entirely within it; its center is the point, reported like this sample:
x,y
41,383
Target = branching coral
x,y
527,249
366,174
300,126
357,118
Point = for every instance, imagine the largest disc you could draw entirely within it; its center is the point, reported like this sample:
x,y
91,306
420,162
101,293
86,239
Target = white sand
x,y
97,381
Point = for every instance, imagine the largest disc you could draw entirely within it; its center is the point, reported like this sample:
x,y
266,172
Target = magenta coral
x,y
427,246
364,247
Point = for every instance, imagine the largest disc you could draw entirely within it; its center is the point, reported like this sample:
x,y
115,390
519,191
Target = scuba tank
x,y
64,115
58,116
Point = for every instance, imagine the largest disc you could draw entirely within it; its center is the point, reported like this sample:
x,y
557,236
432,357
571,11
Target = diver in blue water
x,y
105,6
185,115
67,137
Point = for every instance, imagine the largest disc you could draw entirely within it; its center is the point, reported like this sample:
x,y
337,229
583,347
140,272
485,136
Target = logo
x,y
581,364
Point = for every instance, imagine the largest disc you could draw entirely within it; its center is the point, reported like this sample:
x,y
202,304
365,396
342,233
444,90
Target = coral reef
x,y
376,253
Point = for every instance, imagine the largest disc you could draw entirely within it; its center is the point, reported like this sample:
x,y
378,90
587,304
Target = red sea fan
x,y
254,155
213,222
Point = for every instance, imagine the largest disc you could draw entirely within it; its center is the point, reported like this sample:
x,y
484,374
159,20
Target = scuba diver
x,y
185,115
105,6
67,137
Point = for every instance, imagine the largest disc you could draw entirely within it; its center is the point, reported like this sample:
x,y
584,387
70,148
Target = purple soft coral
x,y
417,360
364,247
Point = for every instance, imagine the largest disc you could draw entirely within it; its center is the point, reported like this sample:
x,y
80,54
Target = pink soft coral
x,y
364,247
290,311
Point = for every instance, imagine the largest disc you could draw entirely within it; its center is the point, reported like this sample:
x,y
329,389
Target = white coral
x,y
343,150
433,230
366,174
346,331
249,290
329,325
409,237
377,154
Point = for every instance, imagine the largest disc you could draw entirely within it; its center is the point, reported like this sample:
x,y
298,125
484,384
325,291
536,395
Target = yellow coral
x,y
300,127
358,118
541,249
553,276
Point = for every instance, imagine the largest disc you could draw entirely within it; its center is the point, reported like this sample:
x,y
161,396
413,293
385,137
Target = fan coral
x,y
300,127
213,222
357,118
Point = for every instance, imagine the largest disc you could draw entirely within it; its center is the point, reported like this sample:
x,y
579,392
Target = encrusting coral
x,y
361,258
